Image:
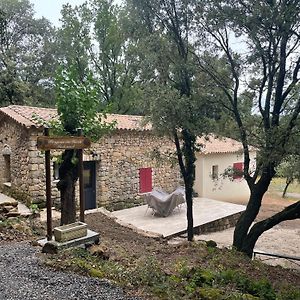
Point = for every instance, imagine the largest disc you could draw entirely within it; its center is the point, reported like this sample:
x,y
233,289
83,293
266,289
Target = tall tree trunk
x,y
186,158
189,155
68,174
287,183
189,212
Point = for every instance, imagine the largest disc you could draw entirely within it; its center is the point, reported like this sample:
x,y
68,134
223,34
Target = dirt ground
x,y
118,239
281,239
273,203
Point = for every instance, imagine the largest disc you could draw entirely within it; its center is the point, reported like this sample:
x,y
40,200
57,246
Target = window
x,y
7,168
87,178
56,171
215,172
238,170
145,180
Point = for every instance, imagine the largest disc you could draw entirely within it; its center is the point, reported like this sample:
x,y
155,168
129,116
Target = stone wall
x,y
14,147
121,156
37,177
27,169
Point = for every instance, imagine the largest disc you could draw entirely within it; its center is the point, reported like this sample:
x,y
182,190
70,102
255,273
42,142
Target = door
x,y
89,184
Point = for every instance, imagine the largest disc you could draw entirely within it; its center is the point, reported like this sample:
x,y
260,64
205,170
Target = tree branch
x,y
291,212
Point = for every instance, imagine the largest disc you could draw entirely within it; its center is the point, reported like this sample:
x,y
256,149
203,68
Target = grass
x,y
278,184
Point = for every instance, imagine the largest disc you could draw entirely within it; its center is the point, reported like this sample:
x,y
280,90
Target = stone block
x,y
7,209
13,214
9,202
33,167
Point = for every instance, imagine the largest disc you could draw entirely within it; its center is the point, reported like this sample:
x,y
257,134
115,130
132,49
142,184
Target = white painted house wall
x,y
222,188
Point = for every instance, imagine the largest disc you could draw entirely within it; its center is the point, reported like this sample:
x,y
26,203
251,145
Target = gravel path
x,y
24,277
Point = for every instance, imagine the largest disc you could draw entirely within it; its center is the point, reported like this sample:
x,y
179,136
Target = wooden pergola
x,y
47,143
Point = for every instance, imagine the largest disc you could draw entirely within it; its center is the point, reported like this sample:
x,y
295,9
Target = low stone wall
x,y
218,225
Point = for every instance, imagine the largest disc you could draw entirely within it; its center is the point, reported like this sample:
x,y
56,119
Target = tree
x,y
27,58
77,102
290,170
177,103
95,35
268,71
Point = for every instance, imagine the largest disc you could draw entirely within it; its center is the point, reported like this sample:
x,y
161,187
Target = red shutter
x,y
145,180
238,169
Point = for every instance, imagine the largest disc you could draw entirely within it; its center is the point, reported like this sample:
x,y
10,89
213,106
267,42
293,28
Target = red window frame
x,y
145,175
238,169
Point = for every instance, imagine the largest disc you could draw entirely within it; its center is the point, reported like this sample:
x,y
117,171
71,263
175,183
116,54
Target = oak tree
x,y
264,68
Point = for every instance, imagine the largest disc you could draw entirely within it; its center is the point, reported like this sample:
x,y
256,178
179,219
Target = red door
x,y
145,180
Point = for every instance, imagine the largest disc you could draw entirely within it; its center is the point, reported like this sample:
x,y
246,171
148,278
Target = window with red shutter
x,y
145,180
238,169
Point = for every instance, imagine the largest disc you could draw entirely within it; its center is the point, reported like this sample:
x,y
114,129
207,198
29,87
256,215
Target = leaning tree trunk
x,y
246,220
287,184
68,174
289,213
245,236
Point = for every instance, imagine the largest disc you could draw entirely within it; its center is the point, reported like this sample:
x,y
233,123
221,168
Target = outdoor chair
x,y
163,203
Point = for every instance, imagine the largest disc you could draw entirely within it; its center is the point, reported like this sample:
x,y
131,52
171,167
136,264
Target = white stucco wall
x,y
223,188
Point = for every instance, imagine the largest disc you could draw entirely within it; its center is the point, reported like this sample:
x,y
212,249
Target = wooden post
x,y
48,191
80,175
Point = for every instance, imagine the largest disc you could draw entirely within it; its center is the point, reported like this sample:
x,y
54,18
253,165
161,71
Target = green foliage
x,y
27,55
210,294
289,293
7,223
181,281
169,111
211,244
95,35
290,168
34,208
260,288
78,105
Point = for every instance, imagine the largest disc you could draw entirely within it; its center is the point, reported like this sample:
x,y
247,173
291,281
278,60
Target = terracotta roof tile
x,y
212,144
26,116
128,122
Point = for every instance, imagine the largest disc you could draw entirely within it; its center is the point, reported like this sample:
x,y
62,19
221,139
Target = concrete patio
x,y
209,215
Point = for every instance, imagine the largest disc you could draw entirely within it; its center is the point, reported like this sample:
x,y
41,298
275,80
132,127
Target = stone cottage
x,y
117,169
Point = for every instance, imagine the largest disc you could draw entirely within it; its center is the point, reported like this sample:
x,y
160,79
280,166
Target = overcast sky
x,y
50,9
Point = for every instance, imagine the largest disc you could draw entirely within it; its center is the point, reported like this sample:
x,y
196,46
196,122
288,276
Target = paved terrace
x,y
206,212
